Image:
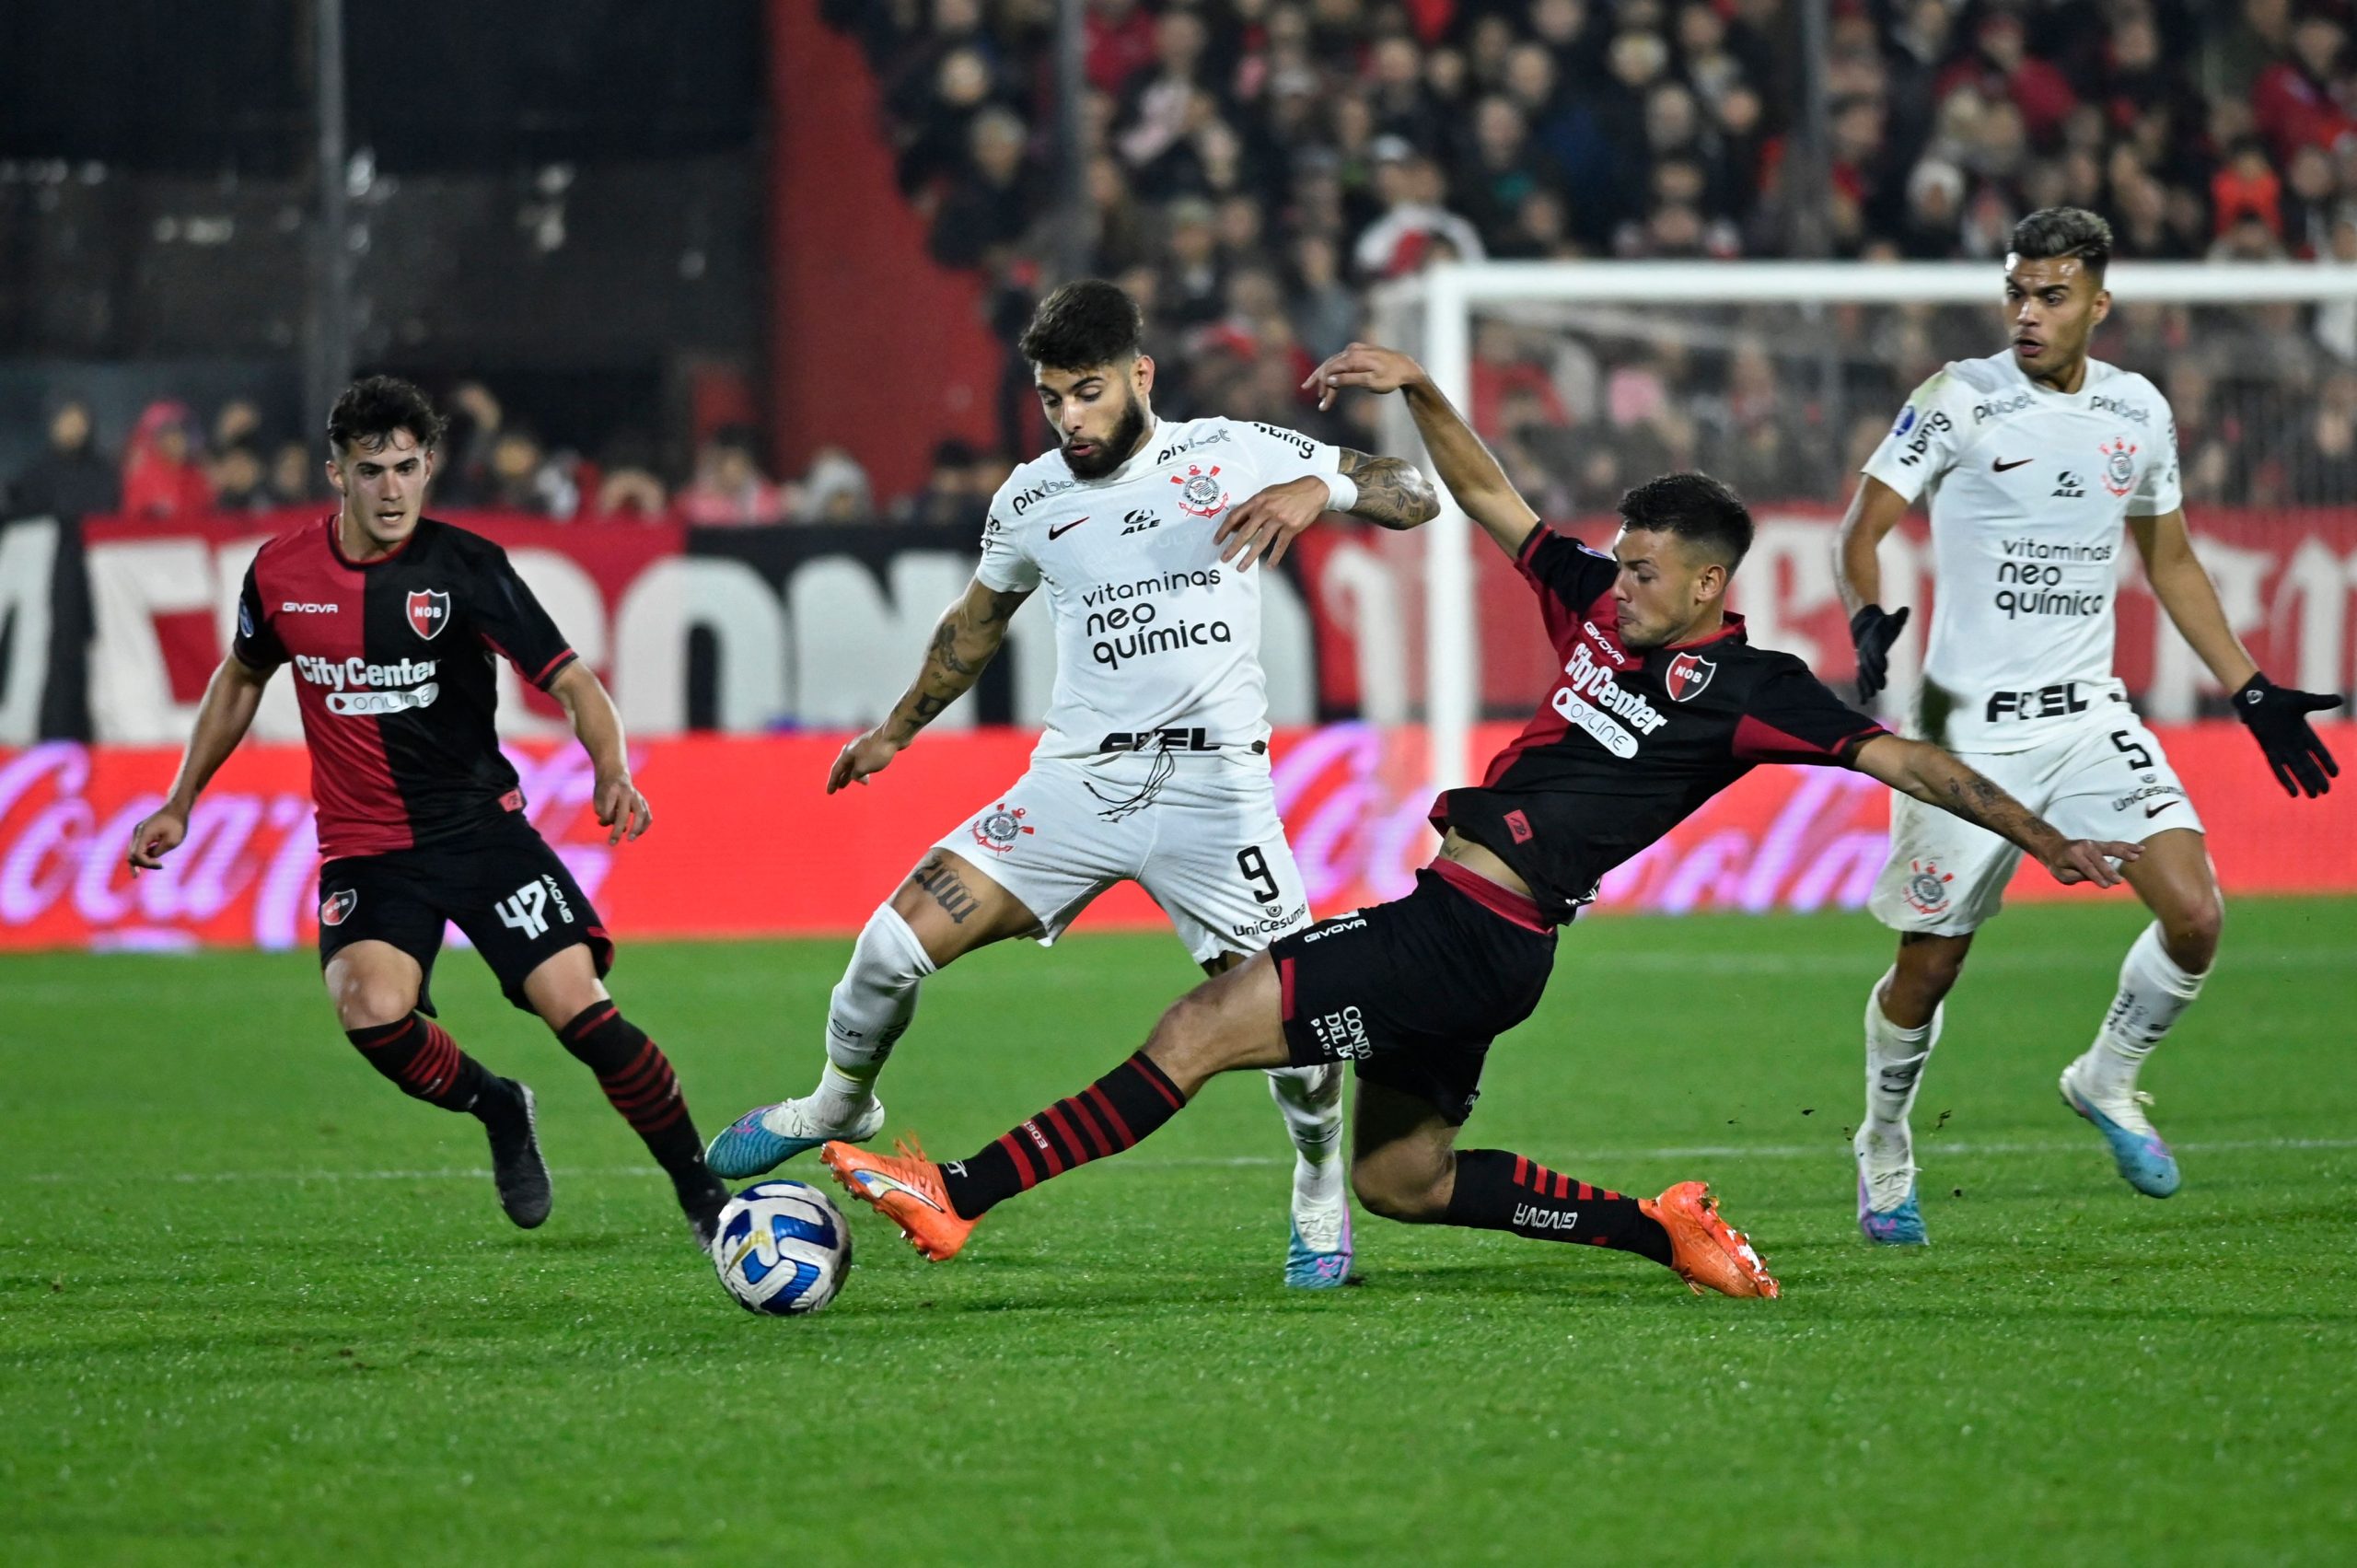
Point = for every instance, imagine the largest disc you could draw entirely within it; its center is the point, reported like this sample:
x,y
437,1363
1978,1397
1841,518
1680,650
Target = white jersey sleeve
x,y
1007,568
1924,440
1282,455
2157,491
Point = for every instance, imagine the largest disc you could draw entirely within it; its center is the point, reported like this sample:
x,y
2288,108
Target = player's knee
x,y
1396,1193
1190,1042
2191,934
1930,968
364,1001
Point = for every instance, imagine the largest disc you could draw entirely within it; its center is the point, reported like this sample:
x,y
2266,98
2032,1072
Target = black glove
x,y
1873,628
2278,717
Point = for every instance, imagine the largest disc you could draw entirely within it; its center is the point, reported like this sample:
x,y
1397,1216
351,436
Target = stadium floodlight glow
x,y
1432,314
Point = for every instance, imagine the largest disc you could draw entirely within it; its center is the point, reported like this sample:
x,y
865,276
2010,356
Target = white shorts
x,y
1200,833
2106,780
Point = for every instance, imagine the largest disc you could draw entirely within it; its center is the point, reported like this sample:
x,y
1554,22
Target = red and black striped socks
x,y
1498,1191
423,1062
1108,1116
639,1083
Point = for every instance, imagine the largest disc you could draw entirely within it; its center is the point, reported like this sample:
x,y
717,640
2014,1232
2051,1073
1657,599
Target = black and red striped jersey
x,y
392,669
1631,742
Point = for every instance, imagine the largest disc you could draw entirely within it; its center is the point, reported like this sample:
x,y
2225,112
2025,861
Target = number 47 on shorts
x,y
526,909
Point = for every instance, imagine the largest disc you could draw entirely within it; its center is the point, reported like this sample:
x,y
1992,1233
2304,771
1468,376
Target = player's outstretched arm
x,y
2277,716
1875,510
965,639
227,711
1464,465
1931,775
598,726
1390,493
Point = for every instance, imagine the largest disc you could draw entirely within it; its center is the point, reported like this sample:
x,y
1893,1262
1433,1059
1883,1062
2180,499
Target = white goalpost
x,y
1438,315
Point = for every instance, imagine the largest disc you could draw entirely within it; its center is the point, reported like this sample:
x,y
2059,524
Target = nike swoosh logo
x,y
2000,467
1059,533
2152,811
876,1183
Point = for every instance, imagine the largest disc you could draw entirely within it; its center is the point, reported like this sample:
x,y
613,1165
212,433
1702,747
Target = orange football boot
x,y
907,1190
1705,1250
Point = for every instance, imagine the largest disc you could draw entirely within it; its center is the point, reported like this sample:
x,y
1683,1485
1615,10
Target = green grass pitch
x,y
257,1308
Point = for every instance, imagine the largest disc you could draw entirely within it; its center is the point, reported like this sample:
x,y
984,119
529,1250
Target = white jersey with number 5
x,y
2028,490
1154,631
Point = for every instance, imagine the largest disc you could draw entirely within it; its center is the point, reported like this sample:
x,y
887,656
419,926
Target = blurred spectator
x,y
994,197
294,475
525,478
237,423
729,488
950,497
70,479
163,474
240,483
835,489
1413,222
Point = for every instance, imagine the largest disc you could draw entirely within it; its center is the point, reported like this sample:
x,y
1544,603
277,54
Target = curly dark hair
x,y
1697,508
2051,233
1083,325
374,406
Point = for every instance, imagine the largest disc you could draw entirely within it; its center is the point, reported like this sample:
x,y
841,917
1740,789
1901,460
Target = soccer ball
x,y
783,1248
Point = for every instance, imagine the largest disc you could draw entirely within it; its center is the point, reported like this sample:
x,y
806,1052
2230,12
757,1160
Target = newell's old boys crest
x,y
338,907
998,827
1200,492
429,612
1688,675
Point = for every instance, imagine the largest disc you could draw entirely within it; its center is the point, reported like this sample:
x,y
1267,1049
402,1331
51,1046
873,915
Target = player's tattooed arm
x,y
1393,492
964,641
1922,770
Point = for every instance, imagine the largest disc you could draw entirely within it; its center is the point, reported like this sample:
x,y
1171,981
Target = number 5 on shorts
x,y
2138,758
1257,877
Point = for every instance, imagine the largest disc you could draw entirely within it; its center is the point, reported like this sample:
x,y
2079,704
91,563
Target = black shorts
x,y
1413,991
503,886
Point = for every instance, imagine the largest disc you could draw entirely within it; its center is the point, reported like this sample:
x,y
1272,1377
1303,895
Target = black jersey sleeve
x,y
1793,717
507,617
1561,568
256,645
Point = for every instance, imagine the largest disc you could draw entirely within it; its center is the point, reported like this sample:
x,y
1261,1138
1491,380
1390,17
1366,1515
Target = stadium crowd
x,y
1254,167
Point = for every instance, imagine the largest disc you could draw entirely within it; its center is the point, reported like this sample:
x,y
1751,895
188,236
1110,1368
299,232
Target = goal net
x,y
1781,378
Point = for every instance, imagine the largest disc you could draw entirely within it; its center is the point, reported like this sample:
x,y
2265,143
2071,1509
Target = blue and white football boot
x,y
2118,1113
1318,1257
768,1136
1886,1211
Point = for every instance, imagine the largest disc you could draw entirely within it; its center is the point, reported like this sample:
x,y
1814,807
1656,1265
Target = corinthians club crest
x,y
2119,465
997,829
1200,491
429,612
1687,675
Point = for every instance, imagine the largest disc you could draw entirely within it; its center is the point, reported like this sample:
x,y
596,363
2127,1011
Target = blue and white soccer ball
x,y
783,1248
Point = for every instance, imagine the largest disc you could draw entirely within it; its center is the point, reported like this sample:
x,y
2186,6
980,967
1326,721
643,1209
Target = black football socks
x,y
1498,1191
639,1083
423,1062
1110,1115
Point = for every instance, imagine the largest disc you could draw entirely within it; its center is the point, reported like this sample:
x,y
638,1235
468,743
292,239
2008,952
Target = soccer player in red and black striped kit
x,y
391,622
1662,703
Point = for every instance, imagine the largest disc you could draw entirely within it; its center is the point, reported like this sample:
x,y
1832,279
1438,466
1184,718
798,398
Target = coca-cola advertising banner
x,y
746,843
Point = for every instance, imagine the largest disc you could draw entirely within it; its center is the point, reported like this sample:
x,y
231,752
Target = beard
x,y
1105,456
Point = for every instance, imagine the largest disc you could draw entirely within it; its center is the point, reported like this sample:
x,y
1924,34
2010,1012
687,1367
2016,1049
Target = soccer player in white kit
x,y
2033,460
1154,763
